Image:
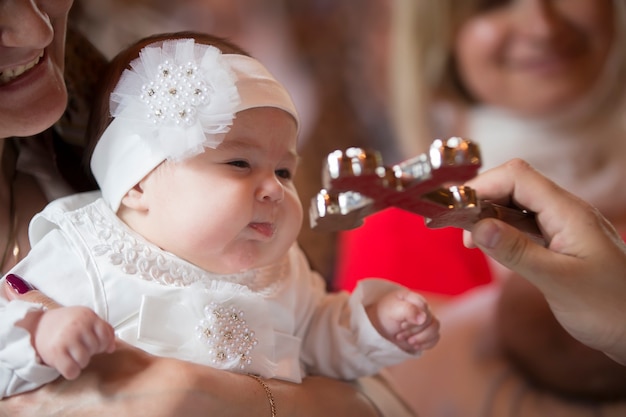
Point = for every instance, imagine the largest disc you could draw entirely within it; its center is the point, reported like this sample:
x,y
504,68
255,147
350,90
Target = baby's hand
x,y
404,318
66,338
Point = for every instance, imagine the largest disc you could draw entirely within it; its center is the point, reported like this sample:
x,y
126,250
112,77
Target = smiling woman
x,y
534,57
32,97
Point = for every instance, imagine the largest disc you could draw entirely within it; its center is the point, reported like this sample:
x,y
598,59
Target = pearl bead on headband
x,y
177,99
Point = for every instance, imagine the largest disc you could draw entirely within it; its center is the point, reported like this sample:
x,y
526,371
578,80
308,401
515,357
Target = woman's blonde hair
x,y
423,70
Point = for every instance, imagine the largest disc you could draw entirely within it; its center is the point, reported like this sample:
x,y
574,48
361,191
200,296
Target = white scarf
x,y
589,161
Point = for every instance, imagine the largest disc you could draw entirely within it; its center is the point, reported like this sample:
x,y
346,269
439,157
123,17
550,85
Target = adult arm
x,y
581,271
129,382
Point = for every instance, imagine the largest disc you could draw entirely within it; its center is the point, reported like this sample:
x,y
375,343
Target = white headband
x,y
177,99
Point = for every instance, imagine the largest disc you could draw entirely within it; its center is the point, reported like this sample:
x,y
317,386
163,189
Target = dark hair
x,y
100,116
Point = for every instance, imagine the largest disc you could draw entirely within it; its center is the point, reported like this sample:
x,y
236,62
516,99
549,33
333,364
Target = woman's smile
x,y
9,74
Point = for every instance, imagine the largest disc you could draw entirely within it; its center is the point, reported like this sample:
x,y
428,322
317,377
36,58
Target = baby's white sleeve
x,y
20,370
57,270
341,342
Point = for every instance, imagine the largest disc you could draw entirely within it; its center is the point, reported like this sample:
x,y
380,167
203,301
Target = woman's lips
x,y
9,74
548,63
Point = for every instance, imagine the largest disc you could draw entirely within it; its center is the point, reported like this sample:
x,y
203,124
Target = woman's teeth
x,y
11,73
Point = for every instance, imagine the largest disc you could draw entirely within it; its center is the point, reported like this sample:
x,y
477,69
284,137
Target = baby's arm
x,y
66,338
403,317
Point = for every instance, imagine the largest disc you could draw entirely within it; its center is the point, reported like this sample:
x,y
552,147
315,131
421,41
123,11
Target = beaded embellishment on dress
x,y
225,333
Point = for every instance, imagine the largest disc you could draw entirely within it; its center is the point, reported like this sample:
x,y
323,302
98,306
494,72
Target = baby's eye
x,y
284,174
239,163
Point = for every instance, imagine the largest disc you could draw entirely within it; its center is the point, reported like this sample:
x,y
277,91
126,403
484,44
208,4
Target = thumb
x,y
15,288
507,245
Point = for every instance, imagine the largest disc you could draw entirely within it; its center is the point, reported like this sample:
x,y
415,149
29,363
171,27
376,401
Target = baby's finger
x,y
410,330
418,318
427,338
105,335
415,316
66,365
403,343
91,342
81,354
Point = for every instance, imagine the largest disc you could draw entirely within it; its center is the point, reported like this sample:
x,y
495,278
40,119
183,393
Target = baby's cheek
x,y
295,214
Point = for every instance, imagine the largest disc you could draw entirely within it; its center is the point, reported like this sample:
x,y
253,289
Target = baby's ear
x,y
135,198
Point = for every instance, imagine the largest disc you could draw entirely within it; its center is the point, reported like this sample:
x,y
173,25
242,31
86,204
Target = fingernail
x,y
18,284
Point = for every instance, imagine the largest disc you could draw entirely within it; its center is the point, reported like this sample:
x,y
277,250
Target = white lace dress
x,y
276,321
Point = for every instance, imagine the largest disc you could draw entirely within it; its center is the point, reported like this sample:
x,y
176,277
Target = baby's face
x,y
235,207
534,57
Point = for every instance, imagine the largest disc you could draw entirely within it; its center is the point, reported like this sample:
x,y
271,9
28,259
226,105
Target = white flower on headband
x,y
179,96
175,94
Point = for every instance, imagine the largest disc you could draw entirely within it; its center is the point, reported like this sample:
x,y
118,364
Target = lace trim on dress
x,y
133,255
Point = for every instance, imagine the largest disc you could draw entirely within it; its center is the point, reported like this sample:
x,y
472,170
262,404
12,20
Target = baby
x,y
190,251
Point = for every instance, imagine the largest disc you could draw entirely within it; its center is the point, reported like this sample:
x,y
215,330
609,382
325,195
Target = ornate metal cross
x,y
357,184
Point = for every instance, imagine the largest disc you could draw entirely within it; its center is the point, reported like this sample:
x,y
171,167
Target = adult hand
x,y
16,288
581,272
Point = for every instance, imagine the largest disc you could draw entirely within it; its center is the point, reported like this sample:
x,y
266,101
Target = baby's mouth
x,y
10,74
266,229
